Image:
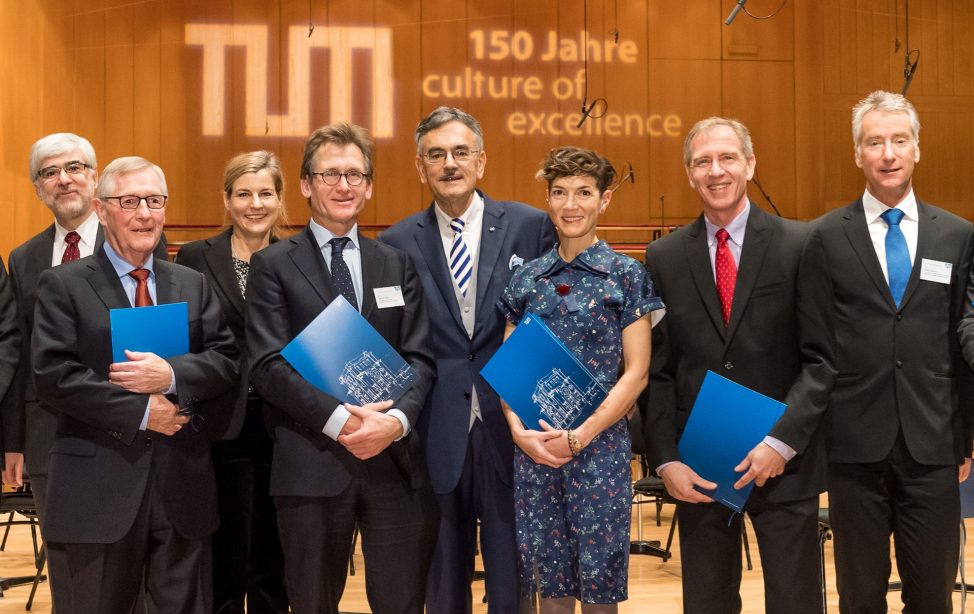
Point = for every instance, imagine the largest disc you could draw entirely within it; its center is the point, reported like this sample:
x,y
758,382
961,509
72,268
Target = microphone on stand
x,y
737,9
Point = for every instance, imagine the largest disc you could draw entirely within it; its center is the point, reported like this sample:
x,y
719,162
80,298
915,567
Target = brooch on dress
x,y
565,297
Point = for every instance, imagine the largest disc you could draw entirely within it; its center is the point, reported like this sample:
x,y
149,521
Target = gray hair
x,y
57,144
445,115
887,102
122,166
712,122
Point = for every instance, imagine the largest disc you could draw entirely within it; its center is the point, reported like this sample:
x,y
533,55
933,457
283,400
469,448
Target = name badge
x,y
935,270
388,297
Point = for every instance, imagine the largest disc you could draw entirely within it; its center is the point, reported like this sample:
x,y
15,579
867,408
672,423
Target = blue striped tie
x,y
898,265
460,262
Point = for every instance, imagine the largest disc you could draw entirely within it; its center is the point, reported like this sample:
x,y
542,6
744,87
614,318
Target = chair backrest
x,y
967,498
636,433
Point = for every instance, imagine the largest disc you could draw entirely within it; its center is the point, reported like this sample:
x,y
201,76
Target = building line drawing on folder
x,y
541,379
726,422
341,354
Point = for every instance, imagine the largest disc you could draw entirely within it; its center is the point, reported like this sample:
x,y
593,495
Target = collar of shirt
x,y
735,229
322,236
873,209
123,268
588,260
472,218
87,230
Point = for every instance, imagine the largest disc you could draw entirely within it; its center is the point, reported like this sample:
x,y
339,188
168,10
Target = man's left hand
x,y
378,430
144,373
761,464
964,470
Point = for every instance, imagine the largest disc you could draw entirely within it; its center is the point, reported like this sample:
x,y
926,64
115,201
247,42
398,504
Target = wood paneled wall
x,y
129,75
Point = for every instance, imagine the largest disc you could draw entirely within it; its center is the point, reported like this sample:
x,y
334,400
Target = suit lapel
x,y
308,260
167,286
858,235
38,259
492,235
372,267
757,236
702,272
105,282
926,237
219,257
431,247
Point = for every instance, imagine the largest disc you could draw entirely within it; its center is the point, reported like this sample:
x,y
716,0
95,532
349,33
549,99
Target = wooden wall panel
x,y
124,75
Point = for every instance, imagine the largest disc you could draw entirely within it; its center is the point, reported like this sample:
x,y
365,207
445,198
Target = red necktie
x,y
71,251
726,274
142,298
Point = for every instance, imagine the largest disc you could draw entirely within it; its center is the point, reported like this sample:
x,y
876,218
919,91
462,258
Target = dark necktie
x,y
71,251
898,265
726,274
339,270
141,277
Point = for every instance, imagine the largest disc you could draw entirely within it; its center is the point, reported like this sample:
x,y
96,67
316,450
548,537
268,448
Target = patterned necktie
x,y
460,262
898,265
71,251
726,274
339,270
141,277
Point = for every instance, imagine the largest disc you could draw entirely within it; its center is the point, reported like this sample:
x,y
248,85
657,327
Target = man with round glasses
x,y
466,245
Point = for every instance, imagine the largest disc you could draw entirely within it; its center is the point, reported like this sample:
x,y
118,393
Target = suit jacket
x,y
213,258
100,462
33,425
510,230
771,344
897,369
11,342
288,286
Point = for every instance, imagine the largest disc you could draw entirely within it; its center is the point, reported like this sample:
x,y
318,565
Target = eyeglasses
x,y
725,161
333,176
460,155
72,168
130,202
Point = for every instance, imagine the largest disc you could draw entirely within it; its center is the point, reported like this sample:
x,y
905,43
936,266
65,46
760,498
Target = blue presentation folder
x,y
341,354
540,378
160,329
726,422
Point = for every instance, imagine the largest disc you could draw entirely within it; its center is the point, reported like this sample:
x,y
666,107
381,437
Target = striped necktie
x,y
460,261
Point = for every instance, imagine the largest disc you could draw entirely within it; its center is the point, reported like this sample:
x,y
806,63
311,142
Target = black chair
x,y
648,489
21,503
824,535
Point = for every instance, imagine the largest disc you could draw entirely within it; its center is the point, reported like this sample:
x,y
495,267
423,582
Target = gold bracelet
x,y
573,444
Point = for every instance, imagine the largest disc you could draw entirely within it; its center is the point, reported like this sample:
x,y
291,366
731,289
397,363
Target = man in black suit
x,y
337,464
131,494
890,273
731,283
468,443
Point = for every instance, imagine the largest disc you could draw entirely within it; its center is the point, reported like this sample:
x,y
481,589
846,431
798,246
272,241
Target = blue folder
x,y
540,378
341,354
160,329
726,422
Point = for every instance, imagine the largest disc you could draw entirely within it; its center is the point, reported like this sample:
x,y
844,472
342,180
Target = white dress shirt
x,y
88,230
909,225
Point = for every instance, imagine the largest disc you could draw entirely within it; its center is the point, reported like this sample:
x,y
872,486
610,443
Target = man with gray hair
x,y
132,495
891,274
465,246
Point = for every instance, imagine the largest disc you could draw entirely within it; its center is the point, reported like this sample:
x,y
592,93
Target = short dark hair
x,y
572,161
445,115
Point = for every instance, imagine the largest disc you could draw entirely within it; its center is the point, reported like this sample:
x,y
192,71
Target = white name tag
x,y
934,270
388,297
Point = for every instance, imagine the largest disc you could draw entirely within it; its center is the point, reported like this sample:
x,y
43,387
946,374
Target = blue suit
x,y
471,468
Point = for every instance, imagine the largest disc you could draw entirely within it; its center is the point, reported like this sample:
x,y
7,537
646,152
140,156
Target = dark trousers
x,y
398,527
710,553
109,578
919,506
248,563
482,495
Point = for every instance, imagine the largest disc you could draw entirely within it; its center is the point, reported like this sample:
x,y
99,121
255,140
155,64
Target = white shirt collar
x,y
88,230
735,229
322,235
873,208
474,211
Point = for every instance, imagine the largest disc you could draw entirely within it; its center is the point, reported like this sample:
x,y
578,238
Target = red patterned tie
x,y
71,251
142,298
726,274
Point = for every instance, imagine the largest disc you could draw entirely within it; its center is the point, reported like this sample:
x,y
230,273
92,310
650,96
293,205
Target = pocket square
x,y
514,262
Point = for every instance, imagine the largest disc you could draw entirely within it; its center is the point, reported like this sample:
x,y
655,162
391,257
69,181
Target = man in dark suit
x,y
131,494
468,442
64,171
891,275
337,464
732,287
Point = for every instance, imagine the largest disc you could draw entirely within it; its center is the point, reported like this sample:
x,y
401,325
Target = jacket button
x,y
899,364
470,356
466,395
899,316
728,365
148,440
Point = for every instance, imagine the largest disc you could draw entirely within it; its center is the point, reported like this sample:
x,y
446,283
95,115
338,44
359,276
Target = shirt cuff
x,y
333,428
659,470
145,417
172,382
402,418
780,447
